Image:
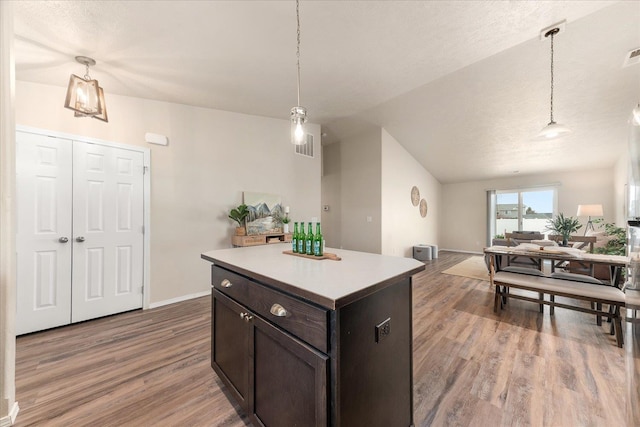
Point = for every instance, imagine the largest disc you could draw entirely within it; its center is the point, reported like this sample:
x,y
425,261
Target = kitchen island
x,y
314,342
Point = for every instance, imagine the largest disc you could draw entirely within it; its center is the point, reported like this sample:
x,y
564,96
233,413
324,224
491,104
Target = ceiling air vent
x,y
633,57
306,149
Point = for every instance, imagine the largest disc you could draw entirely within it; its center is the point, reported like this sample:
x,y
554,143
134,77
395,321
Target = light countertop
x,y
326,282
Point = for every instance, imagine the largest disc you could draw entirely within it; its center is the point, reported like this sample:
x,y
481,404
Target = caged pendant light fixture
x,y
553,129
298,113
84,95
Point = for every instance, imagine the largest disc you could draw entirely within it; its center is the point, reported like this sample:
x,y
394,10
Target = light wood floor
x,y
471,367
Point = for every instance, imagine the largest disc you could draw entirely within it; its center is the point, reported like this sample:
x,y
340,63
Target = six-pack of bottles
x,y
307,243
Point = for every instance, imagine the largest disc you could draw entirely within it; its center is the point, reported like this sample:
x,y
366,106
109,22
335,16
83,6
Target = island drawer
x,y
301,319
305,321
231,284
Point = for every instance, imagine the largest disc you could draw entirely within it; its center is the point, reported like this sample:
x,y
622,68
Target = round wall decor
x,y
415,196
423,208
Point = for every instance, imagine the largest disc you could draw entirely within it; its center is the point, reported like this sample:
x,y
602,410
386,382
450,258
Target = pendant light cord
x,y
552,34
298,48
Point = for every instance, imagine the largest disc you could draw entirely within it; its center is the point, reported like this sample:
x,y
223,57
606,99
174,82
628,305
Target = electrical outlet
x,y
383,330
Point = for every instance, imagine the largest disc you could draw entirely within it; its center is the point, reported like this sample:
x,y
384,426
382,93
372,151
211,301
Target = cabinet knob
x,y
63,239
80,239
248,318
226,283
278,310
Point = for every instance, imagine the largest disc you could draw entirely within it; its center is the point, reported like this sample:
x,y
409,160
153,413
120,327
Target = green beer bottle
x,y
309,242
294,238
301,239
317,242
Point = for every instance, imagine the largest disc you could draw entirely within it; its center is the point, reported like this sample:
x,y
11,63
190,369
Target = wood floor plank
x,y
471,366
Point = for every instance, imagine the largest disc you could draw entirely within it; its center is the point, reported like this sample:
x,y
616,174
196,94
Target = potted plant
x,y
616,244
564,226
239,214
616,240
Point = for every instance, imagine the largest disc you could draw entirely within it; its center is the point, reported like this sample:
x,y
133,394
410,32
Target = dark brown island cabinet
x,y
304,342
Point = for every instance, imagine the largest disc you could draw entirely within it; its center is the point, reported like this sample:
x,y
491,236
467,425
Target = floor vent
x,y
306,149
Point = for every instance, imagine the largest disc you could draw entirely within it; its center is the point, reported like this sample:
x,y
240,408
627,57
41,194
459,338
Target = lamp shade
x,y
298,119
83,96
553,130
590,210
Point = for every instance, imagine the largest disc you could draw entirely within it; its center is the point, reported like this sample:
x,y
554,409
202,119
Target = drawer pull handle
x,y
226,283
278,310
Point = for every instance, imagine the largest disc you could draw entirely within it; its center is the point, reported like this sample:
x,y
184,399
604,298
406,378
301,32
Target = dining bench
x,y
597,294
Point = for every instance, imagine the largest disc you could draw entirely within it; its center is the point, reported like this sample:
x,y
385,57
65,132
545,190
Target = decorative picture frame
x,y
265,213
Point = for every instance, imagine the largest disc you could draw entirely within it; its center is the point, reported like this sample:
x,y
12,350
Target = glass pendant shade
x,y
553,130
635,118
298,120
83,96
102,116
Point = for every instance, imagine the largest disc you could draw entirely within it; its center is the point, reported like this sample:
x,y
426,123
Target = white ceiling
x,y
462,85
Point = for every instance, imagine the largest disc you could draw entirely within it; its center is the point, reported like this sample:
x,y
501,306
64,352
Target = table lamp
x,y
589,211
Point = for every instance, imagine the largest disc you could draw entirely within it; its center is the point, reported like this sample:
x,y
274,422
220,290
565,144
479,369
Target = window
x,y
525,209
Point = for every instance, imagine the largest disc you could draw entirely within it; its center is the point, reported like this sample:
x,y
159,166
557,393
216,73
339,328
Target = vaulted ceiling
x,y
462,85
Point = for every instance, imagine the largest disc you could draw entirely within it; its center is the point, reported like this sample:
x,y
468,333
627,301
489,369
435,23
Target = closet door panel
x,y
43,238
108,230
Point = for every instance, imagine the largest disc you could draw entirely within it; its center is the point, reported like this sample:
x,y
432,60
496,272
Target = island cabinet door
x,y
230,345
289,379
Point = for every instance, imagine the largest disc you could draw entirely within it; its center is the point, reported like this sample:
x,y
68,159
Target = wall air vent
x,y
306,149
633,57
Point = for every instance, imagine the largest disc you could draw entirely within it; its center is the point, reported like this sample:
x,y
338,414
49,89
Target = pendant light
x,y
298,113
84,94
553,129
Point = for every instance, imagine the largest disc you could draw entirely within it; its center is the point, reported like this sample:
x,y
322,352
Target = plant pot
x,y
286,228
241,231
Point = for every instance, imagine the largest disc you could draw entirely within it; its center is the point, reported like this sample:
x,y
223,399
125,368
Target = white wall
x,y
211,158
8,404
621,179
464,211
331,195
354,167
402,225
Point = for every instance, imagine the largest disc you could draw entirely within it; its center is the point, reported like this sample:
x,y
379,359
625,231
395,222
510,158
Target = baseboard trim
x,y
463,252
178,299
11,418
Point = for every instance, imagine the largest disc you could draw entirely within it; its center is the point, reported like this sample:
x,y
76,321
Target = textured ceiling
x,y
463,85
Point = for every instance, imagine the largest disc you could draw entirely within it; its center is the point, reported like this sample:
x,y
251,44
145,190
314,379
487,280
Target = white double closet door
x,y
79,231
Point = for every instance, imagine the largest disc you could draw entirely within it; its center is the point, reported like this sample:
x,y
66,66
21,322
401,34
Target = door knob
x,y
80,239
63,240
246,317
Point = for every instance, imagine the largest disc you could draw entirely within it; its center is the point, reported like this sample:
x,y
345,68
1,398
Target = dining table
x,y
559,257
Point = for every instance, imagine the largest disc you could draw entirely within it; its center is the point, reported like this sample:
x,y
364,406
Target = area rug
x,y
473,267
